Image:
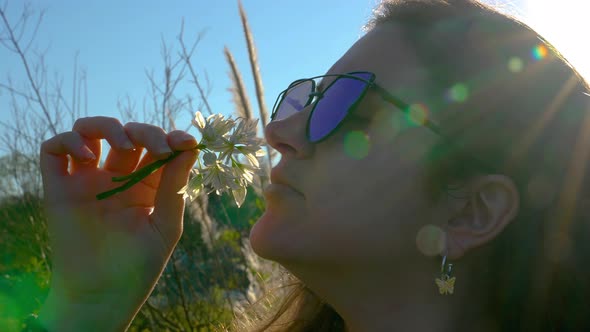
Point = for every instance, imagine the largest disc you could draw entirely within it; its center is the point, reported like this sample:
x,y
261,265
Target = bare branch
x,y
186,56
161,318
85,94
35,30
16,133
74,79
17,92
126,109
25,63
153,84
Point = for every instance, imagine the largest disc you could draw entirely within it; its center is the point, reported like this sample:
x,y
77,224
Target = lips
x,y
279,183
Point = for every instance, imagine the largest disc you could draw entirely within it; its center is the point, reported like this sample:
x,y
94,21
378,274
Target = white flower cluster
x,y
225,141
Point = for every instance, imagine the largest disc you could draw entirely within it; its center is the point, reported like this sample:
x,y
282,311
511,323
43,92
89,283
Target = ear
x,y
491,203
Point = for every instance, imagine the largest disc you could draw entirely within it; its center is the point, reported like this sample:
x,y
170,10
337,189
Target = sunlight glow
x,y
515,65
563,24
538,125
418,114
540,52
356,144
458,93
431,240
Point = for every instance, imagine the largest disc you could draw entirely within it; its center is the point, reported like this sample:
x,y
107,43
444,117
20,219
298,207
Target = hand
x,y
108,254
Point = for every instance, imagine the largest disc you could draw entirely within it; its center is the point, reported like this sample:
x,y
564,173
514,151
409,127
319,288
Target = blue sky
x,y
116,41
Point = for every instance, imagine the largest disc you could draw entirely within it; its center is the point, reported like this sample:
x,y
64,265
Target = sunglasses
x,y
332,104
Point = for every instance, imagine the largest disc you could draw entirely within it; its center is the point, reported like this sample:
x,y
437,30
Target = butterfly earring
x,y
446,283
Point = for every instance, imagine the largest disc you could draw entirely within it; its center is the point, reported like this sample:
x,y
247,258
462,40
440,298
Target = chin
x,y
261,237
270,237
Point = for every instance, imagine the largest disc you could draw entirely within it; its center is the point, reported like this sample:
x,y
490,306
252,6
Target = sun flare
x,y
563,24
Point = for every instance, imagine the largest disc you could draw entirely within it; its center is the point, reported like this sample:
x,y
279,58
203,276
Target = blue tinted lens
x,y
337,100
296,98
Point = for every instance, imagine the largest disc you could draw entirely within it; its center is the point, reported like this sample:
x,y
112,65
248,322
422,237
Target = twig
x,y
181,294
156,312
25,62
186,56
17,92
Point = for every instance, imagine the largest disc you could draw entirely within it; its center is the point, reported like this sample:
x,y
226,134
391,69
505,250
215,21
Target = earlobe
x,y
491,205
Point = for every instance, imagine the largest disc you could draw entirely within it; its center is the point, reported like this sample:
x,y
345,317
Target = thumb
x,y
169,204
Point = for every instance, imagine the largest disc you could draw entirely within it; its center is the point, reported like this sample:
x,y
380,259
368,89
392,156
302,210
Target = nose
x,y
288,136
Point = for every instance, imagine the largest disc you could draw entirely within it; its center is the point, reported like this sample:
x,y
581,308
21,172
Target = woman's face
x,y
338,202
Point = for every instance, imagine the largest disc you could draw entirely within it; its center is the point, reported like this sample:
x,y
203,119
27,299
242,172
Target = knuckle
x,y
110,122
79,122
61,141
45,145
157,129
144,128
177,133
131,125
96,120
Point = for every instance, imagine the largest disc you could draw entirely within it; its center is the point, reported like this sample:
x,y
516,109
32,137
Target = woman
x,y
436,139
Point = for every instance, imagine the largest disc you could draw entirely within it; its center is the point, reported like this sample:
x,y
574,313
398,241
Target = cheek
x,y
381,183
375,212
354,210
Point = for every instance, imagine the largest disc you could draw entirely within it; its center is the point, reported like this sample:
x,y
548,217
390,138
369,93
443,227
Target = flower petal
x,y
199,121
239,195
252,159
260,153
209,158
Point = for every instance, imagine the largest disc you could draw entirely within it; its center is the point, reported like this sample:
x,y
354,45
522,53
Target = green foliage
x,y
223,209
24,270
207,273
195,292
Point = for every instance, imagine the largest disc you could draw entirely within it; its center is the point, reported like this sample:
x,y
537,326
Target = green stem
x,y
119,189
146,170
139,175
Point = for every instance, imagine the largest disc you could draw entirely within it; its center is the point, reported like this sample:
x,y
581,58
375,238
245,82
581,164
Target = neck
x,y
382,300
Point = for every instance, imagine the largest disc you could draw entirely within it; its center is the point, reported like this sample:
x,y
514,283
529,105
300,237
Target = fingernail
x,y
187,138
164,152
87,155
127,145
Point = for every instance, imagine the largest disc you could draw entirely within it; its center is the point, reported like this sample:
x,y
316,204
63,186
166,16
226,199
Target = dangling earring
x,y
446,284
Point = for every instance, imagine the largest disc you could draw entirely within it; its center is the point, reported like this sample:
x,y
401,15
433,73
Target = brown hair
x,y
526,117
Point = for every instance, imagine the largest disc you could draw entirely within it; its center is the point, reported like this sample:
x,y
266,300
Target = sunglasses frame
x,y
370,84
385,95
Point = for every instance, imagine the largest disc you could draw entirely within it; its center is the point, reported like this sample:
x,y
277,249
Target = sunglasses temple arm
x,y
388,97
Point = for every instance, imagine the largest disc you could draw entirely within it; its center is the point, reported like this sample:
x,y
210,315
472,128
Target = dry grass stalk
x,y
238,89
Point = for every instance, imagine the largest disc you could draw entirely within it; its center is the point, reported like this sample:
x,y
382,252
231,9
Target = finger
x,y
153,179
153,138
142,135
94,146
177,140
102,127
180,140
169,205
122,161
54,152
